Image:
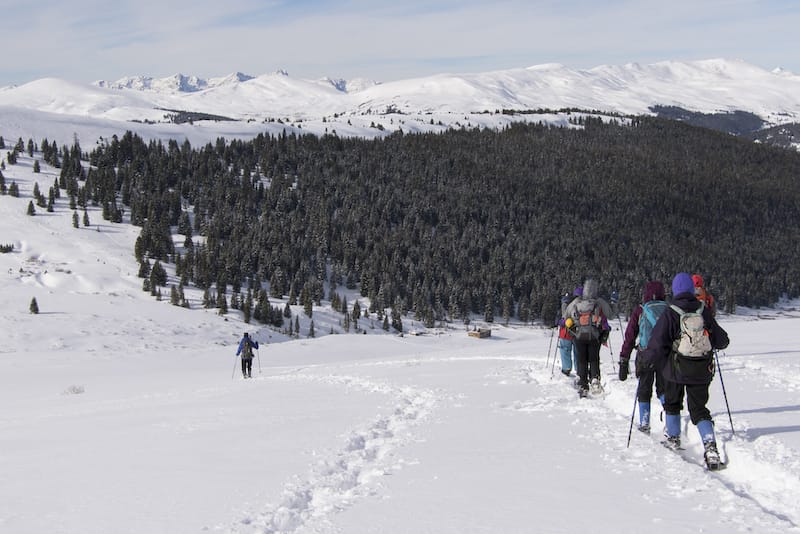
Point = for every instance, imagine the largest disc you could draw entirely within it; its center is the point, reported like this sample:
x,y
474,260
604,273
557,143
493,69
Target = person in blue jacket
x,y
246,346
686,376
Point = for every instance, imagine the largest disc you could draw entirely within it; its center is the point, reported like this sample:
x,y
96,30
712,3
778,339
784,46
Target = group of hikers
x,y
674,340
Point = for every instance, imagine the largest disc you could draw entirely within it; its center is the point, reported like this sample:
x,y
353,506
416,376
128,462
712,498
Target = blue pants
x,y
569,354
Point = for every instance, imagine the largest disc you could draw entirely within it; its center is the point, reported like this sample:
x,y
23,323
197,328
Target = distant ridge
x,y
277,101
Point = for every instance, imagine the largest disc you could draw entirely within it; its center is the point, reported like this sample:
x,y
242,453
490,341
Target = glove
x,y
623,369
604,336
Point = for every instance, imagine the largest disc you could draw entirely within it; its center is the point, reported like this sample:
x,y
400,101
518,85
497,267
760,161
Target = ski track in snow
x,y
747,484
340,480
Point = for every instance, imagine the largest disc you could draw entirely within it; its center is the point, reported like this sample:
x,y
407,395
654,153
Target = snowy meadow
x,y
123,413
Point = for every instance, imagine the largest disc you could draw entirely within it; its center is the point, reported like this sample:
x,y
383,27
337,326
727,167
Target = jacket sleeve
x,y
570,309
607,312
255,344
719,337
239,350
631,332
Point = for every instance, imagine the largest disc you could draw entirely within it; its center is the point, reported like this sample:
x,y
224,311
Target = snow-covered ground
x,y
120,413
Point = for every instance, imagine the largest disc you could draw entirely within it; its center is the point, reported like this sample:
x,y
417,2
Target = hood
x,y
653,290
590,289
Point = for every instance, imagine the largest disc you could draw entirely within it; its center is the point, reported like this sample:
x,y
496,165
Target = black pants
x,y
696,400
644,391
247,366
588,361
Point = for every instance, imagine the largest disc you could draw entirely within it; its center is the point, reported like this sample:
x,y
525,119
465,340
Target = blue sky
x,y
88,40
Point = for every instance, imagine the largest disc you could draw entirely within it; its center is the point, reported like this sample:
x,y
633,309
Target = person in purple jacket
x,y
686,376
637,335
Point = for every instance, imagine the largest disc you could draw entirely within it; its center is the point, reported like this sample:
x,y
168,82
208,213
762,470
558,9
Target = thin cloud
x,y
89,39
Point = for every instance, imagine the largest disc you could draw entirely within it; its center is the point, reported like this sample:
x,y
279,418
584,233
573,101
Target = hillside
x,y
126,414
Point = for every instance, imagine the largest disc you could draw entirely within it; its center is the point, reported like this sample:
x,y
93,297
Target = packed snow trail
x,y
340,480
501,395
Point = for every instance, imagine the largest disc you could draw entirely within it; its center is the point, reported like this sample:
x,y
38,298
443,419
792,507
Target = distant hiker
x,y
637,334
569,352
702,293
589,314
681,348
246,346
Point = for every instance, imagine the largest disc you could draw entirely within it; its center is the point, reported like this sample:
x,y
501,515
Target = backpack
x,y
247,350
651,311
587,321
694,341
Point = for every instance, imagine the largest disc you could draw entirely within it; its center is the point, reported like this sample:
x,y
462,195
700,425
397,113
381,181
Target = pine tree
x,y
297,325
34,307
75,219
31,209
174,298
311,329
85,217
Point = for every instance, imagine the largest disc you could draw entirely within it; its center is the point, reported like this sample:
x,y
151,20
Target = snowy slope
x,y
429,103
125,414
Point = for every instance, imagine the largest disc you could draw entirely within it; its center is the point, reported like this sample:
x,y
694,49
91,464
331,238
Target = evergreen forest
x,y
498,223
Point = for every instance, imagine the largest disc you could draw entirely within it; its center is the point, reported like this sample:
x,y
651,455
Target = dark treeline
x,y
481,221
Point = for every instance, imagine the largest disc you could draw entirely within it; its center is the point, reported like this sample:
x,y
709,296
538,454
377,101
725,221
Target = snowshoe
x,y
711,456
596,387
583,392
644,428
672,443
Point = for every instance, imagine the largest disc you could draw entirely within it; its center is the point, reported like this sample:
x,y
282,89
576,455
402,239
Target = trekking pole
x,y
724,393
235,359
555,354
630,429
552,331
258,355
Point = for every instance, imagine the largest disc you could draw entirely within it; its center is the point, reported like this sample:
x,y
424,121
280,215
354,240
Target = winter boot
x,y
673,431
583,392
711,455
644,417
566,372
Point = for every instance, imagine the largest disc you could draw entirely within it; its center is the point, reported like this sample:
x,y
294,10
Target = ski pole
x,y
553,368
235,359
611,352
258,355
724,393
552,331
630,429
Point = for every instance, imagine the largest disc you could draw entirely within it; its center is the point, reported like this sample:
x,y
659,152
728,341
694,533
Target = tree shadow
x,y
754,433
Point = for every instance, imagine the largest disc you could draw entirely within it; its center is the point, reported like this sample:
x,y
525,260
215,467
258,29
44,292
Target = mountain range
x,y
242,106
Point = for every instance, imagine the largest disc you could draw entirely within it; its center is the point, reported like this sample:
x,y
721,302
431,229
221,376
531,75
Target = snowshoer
x,y
637,335
686,362
246,346
569,353
590,330
702,293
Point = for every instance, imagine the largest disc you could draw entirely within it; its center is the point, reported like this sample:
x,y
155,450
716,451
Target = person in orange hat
x,y
702,293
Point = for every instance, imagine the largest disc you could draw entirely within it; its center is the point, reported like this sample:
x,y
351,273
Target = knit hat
x,y
578,291
682,283
698,280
